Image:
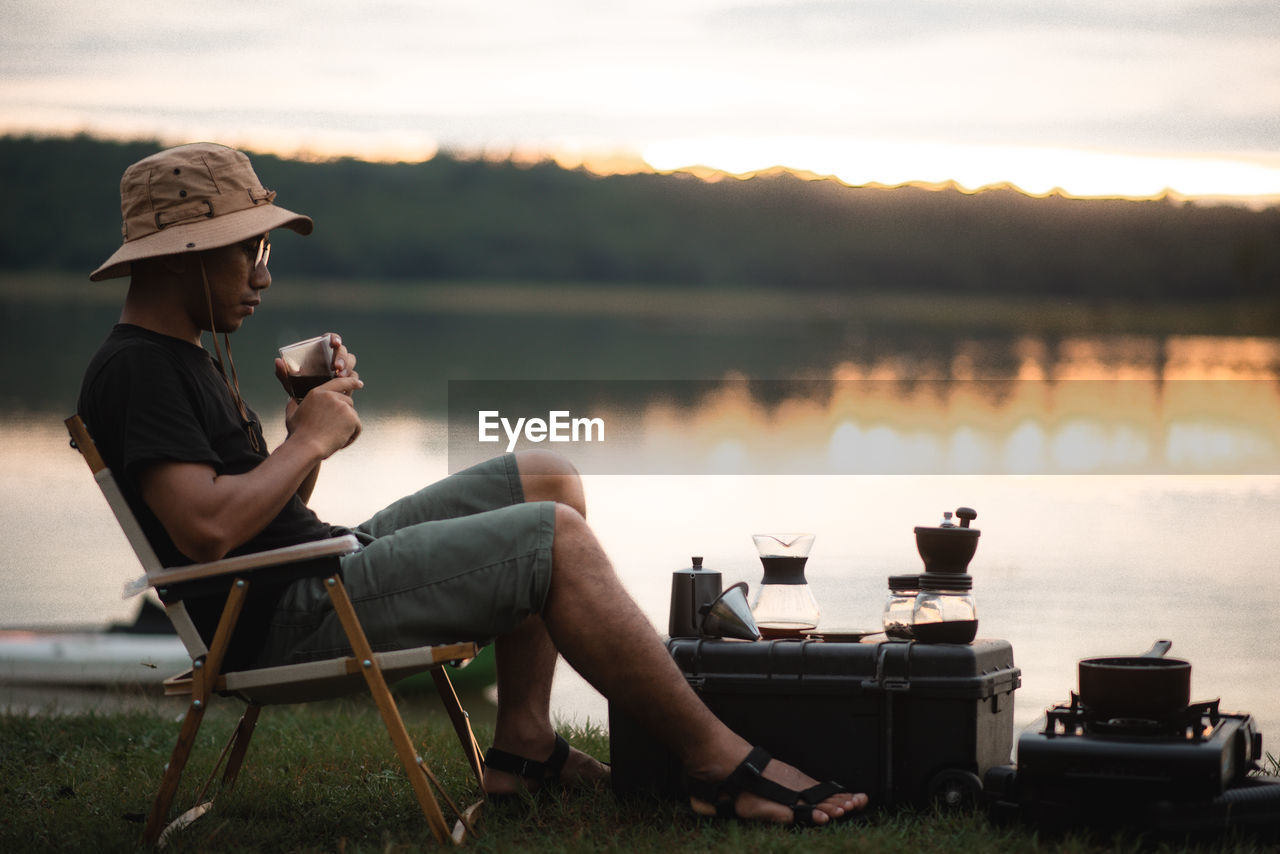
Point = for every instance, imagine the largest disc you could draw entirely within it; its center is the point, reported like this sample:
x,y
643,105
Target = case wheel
x,y
954,788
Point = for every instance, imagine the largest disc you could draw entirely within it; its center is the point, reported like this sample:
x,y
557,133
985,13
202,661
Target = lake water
x,y
1069,565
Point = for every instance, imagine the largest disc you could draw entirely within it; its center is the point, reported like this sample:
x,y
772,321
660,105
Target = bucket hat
x,y
191,198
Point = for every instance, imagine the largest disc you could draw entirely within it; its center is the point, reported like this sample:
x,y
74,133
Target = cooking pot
x,y
1147,687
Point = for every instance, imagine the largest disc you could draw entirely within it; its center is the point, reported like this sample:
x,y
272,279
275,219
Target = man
x,y
501,552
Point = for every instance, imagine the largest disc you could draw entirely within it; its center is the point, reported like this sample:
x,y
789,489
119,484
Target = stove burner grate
x,y
1192,723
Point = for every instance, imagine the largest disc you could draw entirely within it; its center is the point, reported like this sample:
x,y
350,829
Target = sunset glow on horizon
x,y
1036,171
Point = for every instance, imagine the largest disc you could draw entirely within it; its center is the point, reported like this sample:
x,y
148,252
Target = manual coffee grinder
x,y
945,611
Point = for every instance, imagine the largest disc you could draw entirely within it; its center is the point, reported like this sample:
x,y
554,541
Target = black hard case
x,y
905,722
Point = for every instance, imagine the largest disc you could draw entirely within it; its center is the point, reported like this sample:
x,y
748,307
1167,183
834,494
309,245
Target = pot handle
x,y
1158,649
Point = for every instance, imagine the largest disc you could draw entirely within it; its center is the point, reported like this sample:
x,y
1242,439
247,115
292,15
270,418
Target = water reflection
x,y
1068,567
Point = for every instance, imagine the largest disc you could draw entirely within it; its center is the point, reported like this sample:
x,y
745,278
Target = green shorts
x,y
463,559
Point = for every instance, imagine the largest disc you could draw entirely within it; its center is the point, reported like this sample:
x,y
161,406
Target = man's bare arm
x,y
309,484
207,515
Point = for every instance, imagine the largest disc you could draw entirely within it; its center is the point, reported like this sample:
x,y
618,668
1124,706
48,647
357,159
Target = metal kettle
x,y
692,589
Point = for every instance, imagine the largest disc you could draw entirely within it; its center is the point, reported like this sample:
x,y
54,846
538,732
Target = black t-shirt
x,y
149,398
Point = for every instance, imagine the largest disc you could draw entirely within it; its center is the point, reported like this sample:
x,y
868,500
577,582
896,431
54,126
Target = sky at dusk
x,y
1097,97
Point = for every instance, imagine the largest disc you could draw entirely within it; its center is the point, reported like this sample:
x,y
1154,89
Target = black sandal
x,y
546,771
749,777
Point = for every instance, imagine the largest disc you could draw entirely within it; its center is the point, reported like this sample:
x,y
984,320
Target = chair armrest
x,y
317,549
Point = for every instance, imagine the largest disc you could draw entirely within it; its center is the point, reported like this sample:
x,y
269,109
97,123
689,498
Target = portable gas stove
x,y
1187,772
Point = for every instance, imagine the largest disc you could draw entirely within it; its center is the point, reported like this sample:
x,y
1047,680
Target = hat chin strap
x,y
232,383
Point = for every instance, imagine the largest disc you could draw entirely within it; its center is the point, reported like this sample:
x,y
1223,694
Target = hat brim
x,y
202,234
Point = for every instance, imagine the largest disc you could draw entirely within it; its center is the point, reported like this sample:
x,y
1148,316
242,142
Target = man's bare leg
x,y
527,657
600,630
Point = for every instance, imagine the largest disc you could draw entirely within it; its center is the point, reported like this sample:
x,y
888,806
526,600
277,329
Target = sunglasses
x,y
257,248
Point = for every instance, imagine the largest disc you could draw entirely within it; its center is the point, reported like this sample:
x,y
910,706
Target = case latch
x,y
897,682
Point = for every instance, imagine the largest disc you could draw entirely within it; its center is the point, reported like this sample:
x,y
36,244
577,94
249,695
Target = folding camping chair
x,y
294,683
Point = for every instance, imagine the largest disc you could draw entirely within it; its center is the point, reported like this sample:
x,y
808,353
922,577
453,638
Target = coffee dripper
x,y
784,604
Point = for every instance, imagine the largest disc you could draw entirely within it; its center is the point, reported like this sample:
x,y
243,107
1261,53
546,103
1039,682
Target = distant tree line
x,y
454,218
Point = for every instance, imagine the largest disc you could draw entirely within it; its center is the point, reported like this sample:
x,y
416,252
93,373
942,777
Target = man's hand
x,y
344,361
327,416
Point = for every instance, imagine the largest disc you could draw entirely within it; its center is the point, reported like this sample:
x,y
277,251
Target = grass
x,y
323,778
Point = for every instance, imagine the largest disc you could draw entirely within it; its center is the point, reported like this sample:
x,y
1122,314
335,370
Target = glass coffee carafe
x,y
784,604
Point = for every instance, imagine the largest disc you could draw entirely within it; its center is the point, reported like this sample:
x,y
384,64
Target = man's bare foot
x,y
748,805
578,769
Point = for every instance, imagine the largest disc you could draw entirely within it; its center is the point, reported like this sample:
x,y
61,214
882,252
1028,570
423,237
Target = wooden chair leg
x,y
204,675
409,757
244,731
173,773
232,754
461,722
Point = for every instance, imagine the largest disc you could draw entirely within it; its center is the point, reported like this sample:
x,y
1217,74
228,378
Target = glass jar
x,y
900,605
945,611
